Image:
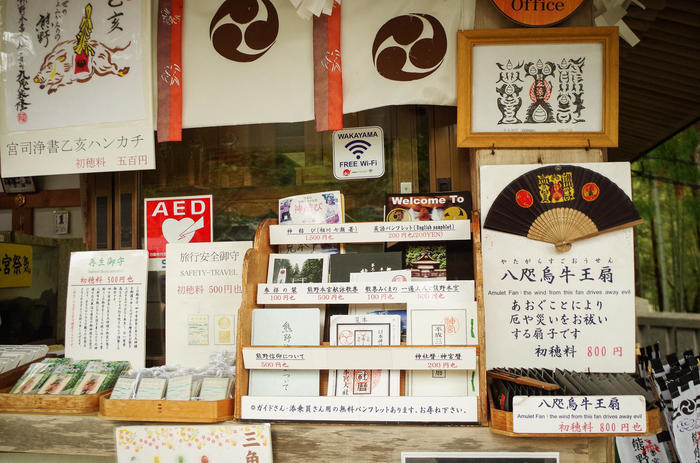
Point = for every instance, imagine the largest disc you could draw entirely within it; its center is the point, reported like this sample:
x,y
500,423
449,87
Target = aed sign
x,y
358,153
184,219
537,12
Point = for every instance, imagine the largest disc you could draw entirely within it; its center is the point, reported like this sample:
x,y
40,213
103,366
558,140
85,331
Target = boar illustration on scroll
x,y
78,60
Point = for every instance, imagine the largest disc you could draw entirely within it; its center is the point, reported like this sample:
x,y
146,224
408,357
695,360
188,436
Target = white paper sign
x,y
203,293
358,153
548,309
76,88
370,232
407,409
595,414
449,294
106,306
348,358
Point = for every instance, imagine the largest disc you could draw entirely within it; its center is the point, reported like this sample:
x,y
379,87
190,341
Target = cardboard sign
x,y
599,414
184,219
358,153
203,290
106,306
15,265
537,12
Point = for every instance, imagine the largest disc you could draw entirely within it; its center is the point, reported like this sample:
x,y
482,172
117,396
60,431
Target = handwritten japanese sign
x,y
449,294
106,306
77,97
550,309
370,232
373,408
375,358
625,414
203,280
15,265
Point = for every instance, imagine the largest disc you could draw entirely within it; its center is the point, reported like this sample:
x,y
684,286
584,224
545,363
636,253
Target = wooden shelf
x,y
502,423
254,279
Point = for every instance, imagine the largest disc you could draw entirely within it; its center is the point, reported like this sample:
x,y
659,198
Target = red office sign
x,y
184,219
537,12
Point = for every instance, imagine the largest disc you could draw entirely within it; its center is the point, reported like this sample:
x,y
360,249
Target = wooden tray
x,y
176,411
502,423
51,404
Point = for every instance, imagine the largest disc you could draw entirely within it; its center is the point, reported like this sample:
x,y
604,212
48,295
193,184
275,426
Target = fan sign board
x,y
203,290
537,12
184,219
358,153
550,309
106,306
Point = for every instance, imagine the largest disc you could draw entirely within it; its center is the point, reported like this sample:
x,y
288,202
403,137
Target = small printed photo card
x,y
179,388
313,208
214,388
90,383
56,383
151,389
224,328
124,388
198,330
298,268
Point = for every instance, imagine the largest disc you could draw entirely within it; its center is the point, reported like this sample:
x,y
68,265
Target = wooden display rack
x,y
86,404
175,411
255,267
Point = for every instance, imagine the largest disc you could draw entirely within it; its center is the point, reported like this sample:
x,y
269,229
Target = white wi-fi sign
x,y
358,153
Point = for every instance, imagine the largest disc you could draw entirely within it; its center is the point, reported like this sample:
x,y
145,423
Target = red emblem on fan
x,y
523,198
590,191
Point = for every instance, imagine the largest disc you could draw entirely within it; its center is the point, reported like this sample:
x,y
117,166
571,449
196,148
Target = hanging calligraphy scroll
x,y
77,92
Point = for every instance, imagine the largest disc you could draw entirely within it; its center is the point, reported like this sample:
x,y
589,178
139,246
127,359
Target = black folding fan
x,y
561,204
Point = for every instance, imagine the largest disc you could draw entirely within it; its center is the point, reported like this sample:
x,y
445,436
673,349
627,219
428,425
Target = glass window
x,y
248,168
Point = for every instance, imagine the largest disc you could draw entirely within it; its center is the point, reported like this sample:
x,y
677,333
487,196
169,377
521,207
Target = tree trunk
x,y
659,254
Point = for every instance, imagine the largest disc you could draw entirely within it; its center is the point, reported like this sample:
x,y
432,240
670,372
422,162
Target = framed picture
x,y
554,87
18,185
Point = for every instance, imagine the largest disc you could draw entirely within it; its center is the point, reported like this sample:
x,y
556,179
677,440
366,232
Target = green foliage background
x,y
665,191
